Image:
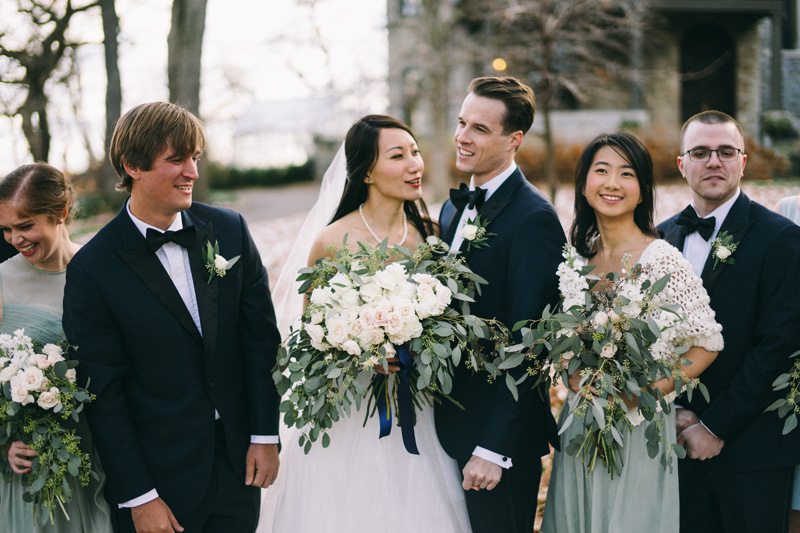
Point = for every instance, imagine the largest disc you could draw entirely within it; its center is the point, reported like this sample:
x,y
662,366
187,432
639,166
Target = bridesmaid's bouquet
x,y
39,404
615,333
788,407
366,307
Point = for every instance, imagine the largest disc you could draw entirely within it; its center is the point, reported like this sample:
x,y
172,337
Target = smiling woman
x,y
35,204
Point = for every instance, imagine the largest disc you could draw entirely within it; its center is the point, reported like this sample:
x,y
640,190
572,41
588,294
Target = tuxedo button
x,y
505,459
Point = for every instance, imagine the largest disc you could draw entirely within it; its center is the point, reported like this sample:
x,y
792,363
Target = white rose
x,y
52,350
71,375
433,240
469,232
723,252
316,334
338,330
351,347
608,350
32,378
316,316
8,372
613,316
220,263
370,292
340,281
600,319
389,349
321,296
49,399
568,355
19,391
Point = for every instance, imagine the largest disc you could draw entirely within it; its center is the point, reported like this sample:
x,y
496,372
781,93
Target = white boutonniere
x,y
215,263
723,248
475,233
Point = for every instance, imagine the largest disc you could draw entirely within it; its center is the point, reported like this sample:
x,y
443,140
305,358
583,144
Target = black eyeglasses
x,y
724,153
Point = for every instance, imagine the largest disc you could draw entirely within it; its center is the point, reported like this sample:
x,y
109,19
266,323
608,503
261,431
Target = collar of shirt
x,y
493,184
143,226
720,213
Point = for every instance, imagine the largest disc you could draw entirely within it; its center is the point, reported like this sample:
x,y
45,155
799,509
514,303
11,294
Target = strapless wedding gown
x,y
361,483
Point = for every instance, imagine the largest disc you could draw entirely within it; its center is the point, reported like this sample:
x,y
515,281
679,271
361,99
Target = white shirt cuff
x,y
141,500
705,426
263,439
496,458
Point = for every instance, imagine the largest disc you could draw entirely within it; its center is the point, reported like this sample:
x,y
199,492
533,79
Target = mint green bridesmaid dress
x,y
31,299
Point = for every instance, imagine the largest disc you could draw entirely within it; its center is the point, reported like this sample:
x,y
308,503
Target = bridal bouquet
x,y
615,333
39,404
367,306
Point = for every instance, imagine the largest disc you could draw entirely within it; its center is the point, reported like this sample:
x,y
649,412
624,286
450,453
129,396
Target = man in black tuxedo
x,y
738,473
498,441
178,354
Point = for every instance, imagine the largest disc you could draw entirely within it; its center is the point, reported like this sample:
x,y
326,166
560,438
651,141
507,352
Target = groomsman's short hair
x,y
712,116
518,98
146,131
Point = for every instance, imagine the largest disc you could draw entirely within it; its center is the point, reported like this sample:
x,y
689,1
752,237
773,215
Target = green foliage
x,y
225,177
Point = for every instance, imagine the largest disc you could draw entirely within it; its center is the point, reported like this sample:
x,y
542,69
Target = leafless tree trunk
x,y
37,60
107,179
184,60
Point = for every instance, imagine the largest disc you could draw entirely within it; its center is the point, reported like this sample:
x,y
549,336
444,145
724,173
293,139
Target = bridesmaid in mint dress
x,y
614,197
790,208
35,203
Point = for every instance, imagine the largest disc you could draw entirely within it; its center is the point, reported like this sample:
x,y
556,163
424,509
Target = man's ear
x,y
130,171
516,140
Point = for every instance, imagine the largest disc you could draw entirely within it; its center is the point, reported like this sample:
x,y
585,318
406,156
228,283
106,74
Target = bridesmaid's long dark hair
x,y
361,152
584,232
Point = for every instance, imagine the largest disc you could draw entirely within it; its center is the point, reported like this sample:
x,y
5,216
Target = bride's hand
x,y
575,384
393,366
19,454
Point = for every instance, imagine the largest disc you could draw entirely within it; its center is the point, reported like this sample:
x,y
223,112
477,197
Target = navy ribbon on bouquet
x,y
405,406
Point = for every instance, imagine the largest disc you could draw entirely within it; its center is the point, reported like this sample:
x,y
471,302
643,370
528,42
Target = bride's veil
x,y
288,303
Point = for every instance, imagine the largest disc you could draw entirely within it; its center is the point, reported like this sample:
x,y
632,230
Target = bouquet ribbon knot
x,y
405,408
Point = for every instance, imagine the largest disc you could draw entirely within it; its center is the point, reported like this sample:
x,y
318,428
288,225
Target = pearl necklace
x,y
375,235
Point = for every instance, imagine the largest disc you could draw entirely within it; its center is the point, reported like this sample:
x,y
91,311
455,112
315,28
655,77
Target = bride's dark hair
x,y
584,232
361,152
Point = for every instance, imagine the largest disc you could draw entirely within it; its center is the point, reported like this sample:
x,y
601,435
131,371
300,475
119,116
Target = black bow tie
x,y
473,199
691,223
185,237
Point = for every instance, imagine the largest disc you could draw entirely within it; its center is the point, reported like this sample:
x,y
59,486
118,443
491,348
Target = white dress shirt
x,y
695,247
175,260
469,214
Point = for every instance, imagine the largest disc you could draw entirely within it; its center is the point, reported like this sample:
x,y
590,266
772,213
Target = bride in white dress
x,y
361,483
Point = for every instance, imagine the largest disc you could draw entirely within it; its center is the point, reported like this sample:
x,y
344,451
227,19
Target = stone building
x,y
740,56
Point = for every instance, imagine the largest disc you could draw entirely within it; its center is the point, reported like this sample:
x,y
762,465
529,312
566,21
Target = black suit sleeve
x,y
778,331
532,284
90,327
260,339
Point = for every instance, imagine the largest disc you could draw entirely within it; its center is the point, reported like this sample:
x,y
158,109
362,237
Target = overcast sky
x,y
252,52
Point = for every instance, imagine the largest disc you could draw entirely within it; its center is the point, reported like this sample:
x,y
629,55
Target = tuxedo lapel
x,y
502,196
452,216
736,224
206,292
675,236
151,272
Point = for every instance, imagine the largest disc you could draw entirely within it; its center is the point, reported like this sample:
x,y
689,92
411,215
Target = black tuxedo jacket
x,y
757,301
520,264
157,379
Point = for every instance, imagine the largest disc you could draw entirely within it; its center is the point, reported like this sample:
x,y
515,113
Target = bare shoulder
x,y
332,237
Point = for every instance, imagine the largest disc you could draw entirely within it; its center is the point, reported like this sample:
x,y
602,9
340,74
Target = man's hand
x,y
684,418
481,474
154,516
261,465
19,457
700,443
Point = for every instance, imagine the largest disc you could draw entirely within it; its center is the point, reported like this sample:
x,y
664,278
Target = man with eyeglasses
x,y
737,476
